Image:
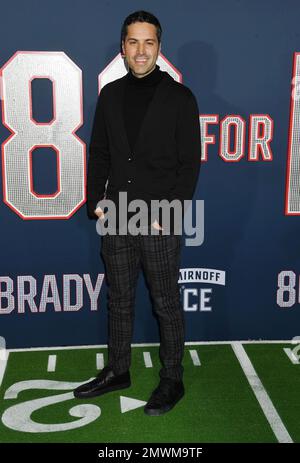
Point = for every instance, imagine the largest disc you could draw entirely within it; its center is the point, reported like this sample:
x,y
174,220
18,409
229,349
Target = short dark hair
x,y
140,16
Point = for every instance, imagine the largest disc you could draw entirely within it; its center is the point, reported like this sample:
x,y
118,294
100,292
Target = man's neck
x,y
148,80
138,76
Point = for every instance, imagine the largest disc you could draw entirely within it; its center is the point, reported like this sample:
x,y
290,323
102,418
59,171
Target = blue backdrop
x,y
238,58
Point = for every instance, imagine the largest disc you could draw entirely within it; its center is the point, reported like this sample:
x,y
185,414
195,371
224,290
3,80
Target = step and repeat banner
x,y
240,267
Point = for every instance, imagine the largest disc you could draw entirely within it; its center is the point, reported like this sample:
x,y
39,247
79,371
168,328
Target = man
x,y
145,141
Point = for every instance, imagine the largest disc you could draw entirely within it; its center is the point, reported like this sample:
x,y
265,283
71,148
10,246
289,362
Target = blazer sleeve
x,y
99,158
188,149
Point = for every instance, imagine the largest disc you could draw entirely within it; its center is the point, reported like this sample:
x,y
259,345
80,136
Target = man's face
x,y
141,48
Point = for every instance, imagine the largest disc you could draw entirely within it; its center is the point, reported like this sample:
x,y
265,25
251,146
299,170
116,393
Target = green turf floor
x,y
281,379
218,406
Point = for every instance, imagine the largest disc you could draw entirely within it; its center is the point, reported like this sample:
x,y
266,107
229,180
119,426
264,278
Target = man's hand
x,y
156,225
99,213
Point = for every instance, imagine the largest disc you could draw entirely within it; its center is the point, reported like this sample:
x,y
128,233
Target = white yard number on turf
x,y
18,417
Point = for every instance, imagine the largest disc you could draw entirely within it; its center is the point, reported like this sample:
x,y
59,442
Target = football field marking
x,y
51,363
149,344
99,361
147,360
127,404
3,365
264,400
18,416
195,357
293,358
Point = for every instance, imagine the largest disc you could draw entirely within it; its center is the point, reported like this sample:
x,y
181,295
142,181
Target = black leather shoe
x,y
105,381
164,397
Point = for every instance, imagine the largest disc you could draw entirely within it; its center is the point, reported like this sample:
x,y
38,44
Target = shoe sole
x,y
82,395
161,411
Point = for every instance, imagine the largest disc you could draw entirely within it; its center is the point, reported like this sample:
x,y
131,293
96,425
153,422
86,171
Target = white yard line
x,y
264,400
195,357
51,363
3,365
104,346
99,361
147,360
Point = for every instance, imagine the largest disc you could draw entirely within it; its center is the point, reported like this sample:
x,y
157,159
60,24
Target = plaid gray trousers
x,y
159,256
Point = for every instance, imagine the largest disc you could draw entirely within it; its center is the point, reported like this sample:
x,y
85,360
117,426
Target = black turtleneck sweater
x,y
138,94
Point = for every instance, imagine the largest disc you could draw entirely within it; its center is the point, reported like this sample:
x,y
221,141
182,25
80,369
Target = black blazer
x,y
165,161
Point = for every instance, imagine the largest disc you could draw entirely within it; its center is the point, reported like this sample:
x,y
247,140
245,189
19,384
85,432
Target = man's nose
x,y
141,48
